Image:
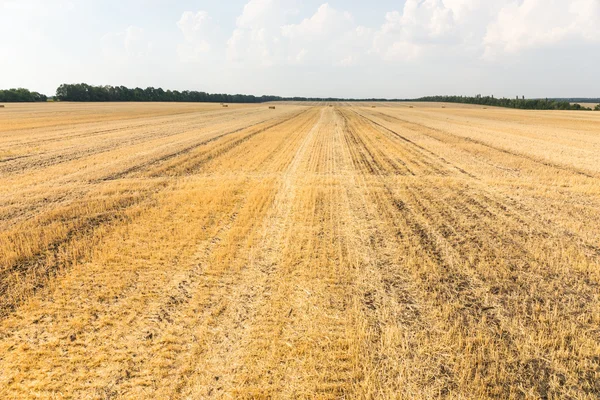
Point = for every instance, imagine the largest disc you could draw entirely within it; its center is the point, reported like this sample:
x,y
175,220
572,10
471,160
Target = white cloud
x,y
324,23
197,29
462,10
258,14
131,43
422,23
256,40
193,26
534,23
264,36
331,35
136,43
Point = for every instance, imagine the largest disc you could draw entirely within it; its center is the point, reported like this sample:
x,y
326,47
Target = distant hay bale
x,y
330,105
443,106
225,105
410,107
372,106
271,107
1,105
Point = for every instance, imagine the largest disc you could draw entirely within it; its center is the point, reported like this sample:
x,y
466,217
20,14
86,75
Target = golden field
x,y
370,251
588,105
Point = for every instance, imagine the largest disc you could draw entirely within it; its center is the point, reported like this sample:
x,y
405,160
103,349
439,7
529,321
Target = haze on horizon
x,y
392,49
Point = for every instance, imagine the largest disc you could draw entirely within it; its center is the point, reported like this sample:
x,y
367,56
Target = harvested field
x,y
588,105
189,251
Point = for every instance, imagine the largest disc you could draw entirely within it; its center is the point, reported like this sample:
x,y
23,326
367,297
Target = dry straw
x,y
309,253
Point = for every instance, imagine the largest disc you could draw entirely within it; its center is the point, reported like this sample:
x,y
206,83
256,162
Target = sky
x,y
315,48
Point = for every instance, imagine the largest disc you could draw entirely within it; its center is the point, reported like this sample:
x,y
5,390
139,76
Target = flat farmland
x,y
588,105
322,250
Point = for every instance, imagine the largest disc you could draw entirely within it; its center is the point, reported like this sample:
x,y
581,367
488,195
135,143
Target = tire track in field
x,y
142,122
500,286
168,328
261,273
55,194
223,299
367,158
67,126
193,163
423,161
190,303
208,304
226,147
241,359
411,234
41,264
456,277
591,247
71,243
385,301
439,134
359,265
137,134
419,151
164,158
131,319
301,340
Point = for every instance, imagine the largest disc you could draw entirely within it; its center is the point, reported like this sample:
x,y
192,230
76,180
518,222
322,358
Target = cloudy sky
x,y
350,48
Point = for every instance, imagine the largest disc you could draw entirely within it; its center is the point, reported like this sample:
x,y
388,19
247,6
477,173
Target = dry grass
x,y
588,105
324,251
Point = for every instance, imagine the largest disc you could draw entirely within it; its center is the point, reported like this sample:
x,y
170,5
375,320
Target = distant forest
x,y
520,103
83,92
20,95
578,99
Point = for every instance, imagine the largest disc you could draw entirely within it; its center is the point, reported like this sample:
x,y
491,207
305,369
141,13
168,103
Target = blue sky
x,y
390,48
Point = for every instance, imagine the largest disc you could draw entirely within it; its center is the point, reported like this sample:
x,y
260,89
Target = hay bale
x,y
271,107
372,106
1,105
410,107
225,105
330,105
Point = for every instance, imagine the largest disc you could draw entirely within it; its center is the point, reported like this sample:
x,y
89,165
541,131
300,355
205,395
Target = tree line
x,y
20,95
82,92
520,103
579,99
85,92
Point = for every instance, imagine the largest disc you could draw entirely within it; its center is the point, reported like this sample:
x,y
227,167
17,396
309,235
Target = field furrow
x,y
322,250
